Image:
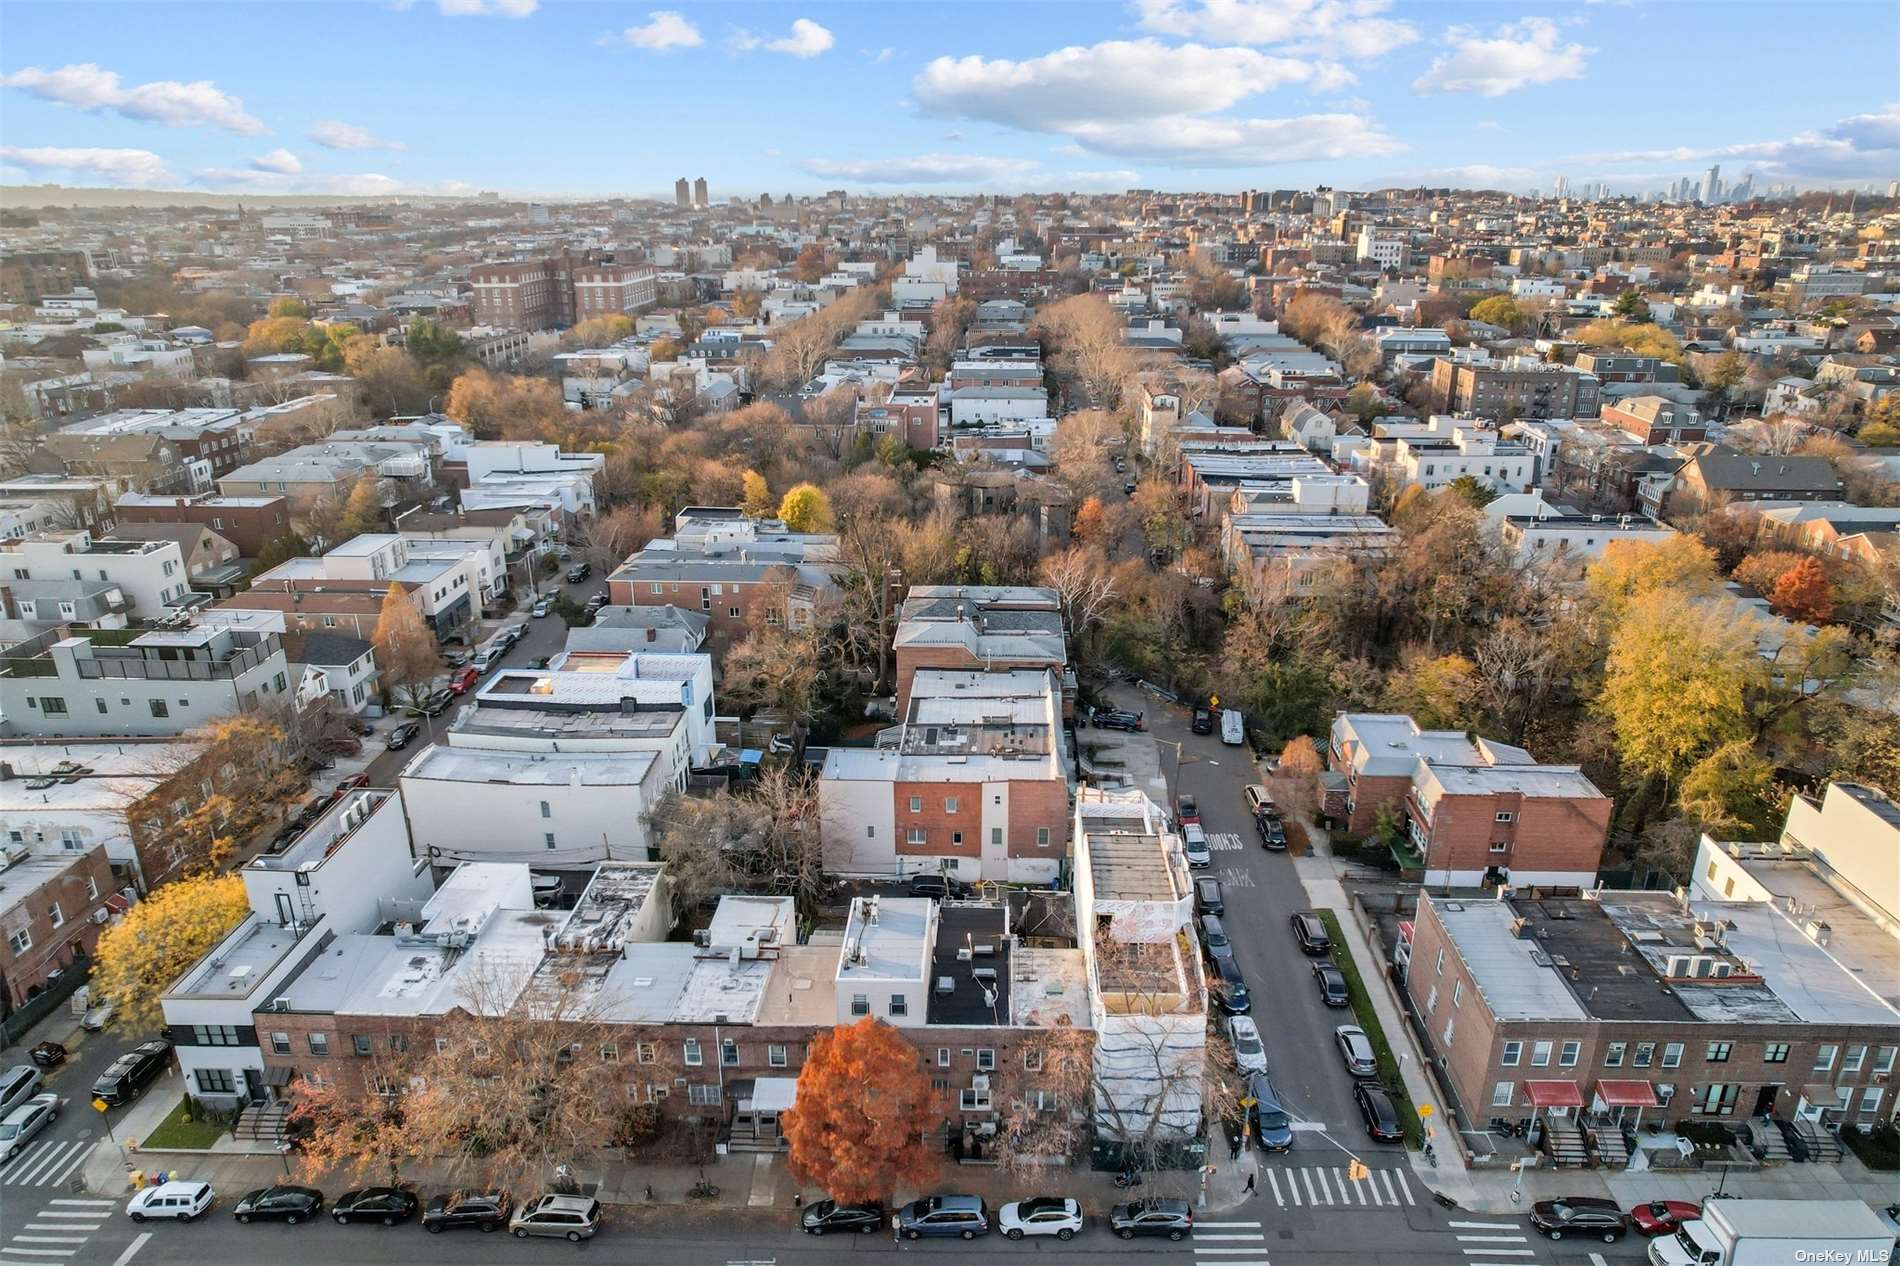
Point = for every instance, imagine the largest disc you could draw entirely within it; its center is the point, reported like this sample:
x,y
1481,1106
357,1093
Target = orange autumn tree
x,y
863,1106
1804,593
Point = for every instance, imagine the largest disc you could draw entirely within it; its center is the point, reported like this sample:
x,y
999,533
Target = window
x,y
52,705
319,1043
943,1057
1503,1094
1672,1055
973,1100
101,705
215,1081
1716,1053
703,1095
1775,1053
1505,816
870,832
996,837
1438,964
1032,1060
547,810
214,1035
1431,999
21,941
1042,837
644,1052
1613,1054
1870,1100
361,1042
58,916
1850,1062
916,804
693,1057
950,804
729,1053
92,892
441,1045
1540,1055
1715,1099
900,1005
1451,1027
1883,1062
548,838
1645,1054
399,1043
1824,1058
1513,1051
915,835
956,839
1567,1057
860,1004
280,1043
775,1056
1457,992
610,1054
985,1059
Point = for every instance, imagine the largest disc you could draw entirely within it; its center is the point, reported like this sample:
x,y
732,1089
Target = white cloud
x,y
278,160
332,134
807,39
1129,80
882,54
1468,176
1516,55
1099,181
925,169
1192,141
664,29
487,8
1860,147
243,180
86,86
1347,28
132,167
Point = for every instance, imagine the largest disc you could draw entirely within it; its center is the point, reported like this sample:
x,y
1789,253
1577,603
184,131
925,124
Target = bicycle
x,y
1431,1156
702,1190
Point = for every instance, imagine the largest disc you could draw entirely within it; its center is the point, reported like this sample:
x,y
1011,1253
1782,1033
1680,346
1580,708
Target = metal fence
x,y
43,1004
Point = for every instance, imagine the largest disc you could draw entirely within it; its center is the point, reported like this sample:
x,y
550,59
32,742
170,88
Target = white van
x,y
1233,731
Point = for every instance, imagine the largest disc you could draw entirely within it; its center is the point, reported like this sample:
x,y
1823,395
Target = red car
x,y
1186,811
1662,1217
464,680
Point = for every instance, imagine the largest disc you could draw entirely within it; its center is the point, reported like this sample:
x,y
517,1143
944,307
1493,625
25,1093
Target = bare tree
x,y
1086,587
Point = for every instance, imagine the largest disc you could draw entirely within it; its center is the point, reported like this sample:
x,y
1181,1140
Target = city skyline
x,y
573,101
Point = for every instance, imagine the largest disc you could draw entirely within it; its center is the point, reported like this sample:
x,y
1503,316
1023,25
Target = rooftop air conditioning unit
x,y
946,985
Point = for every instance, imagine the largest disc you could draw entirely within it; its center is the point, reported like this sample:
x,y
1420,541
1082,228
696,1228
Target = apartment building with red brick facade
x,y
1473,810
52,909
991,628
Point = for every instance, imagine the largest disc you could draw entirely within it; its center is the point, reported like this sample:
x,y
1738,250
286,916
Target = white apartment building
x,y
1386,252
1432,461
151,574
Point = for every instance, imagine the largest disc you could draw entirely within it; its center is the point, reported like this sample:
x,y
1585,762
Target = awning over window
x,y
1628,1094
277,1076
774,1094
1554,1094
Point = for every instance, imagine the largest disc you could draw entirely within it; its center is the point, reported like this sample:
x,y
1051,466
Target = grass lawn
x,y
1375,1032
174,1132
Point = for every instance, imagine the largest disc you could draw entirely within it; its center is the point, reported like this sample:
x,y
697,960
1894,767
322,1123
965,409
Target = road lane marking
x,y
1385,1176
132,1248
1307,1174
1499,1252
1255,1226
1486,1226
1491,1239
85,1154
1274,1180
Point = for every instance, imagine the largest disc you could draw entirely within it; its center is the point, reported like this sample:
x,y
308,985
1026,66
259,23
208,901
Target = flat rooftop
x,y
240,962
887,938
971,939
1131,867
560,769
505,719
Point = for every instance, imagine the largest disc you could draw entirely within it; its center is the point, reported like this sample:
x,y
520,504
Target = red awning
x,y
116,903
1554,1094
1627,1094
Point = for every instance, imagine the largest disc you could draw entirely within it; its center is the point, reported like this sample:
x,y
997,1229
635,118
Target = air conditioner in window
x,y
980,1083
100,915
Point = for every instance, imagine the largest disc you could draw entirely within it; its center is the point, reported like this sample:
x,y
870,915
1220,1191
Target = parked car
x,y
1229,988
827,1216
402,736
1332,985
573,1218
96,1018
47,1054
1380,1114
1202,722
1250,1055
1044,1215
1207,896
963,1216
463,680
179,1201
1259,799
1233,727
433,704
1311,934
483,1210
1128,488
541,661
1187,811
388,1205
1579,1215
1272,1127
1662,1217
355,782
126,1077
1171,1218
579,572
363,729
541,607
280,1203
1115,719
934,884
19,1126
1272,831
1194,842
1214,942
20,1083
1355,1048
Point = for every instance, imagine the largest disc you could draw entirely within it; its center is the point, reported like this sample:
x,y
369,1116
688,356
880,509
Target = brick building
x,y
993,628
26,277
557,291
1473,811
52,909
1518,388
247,522
1656,420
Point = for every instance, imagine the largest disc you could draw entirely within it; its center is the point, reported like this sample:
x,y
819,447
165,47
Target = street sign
x,y
1248,1101
100,1105
1424,1110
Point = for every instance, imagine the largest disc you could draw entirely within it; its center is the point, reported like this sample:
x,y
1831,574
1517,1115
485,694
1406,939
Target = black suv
x,y
486,1210
828,1215
939,886
1203,722
127,1076
1579,1215
1207,896
1116,720
1311,934
281,1203
579,572
388,1205
1381,1116
1272,831
1332,985
1171,1218
1214,942
1229,987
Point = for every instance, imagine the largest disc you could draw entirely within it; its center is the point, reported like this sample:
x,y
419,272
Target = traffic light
x,y
1357,1171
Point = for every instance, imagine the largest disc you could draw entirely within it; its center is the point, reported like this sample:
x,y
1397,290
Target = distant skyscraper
x,y
699,192
1893,188
682,193
1745,190
1563,186
1712,184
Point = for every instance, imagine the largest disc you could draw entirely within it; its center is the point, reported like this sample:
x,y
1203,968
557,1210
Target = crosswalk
x,y
1229,1244
55,1234
46,1163
1320,1186
1493,1241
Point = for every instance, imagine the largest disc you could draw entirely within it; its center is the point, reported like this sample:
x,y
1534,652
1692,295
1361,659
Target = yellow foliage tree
x,y
243,759
275,334
757,500
504,405
805,508
1676,681
601,330
1630,570
407,658
158,939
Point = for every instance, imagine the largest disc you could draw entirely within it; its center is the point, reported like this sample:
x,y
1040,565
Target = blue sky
x,y
560,98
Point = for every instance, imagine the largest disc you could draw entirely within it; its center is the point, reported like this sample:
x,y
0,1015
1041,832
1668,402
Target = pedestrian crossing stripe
x,y
46,1162
1313,1186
